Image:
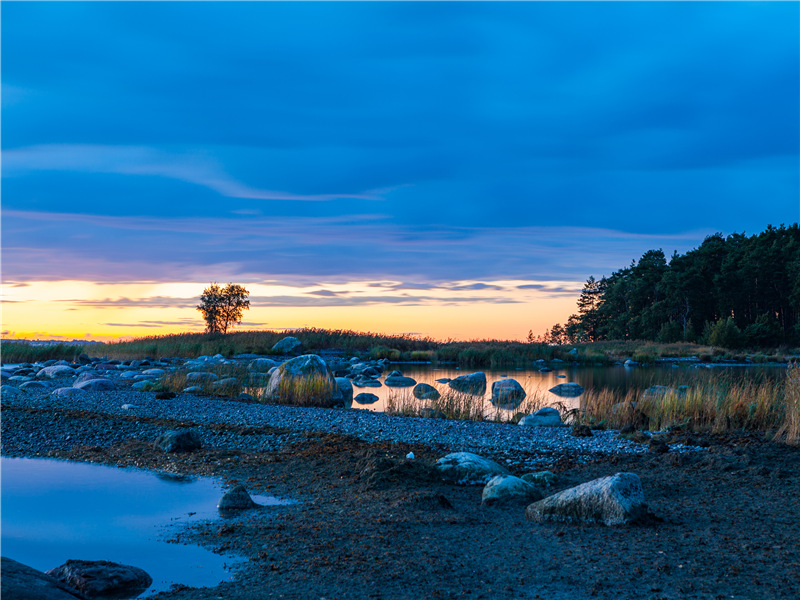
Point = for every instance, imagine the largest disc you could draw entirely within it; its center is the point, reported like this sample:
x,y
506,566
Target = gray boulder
x,y
9,390
201,377
193,389
67,392
614,500
567,390
21,582
399,381
154,372
304,380
96,385
366,398
236,498
287,345
468,468
364,381
544,417
507,488
179,440
542,479
102,578
262,365
423,391
472,383
55,371
345,388
507,393
32,386
87,375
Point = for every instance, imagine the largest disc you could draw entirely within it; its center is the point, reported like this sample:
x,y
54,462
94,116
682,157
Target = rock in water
x,y
507,488
507,393
179,440
399,381
472,383
567,390
365,398
236,498
423,391
103,579
468,468
287,345
21,582
614,500
304,380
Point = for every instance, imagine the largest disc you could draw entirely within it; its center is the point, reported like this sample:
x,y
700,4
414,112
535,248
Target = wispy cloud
x,y
197,168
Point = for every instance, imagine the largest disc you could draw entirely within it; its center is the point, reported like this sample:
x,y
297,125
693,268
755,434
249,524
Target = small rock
x,y
182,440
103,579
366,398
544,417
423,391
96,385
165,395
567,390
542,479
236,498
399,381
468,468
581,431
507,488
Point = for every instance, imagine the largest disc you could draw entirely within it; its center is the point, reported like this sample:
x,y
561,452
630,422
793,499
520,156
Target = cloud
x,y
136,160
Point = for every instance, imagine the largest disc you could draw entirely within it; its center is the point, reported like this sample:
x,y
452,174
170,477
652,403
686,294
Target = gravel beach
x,y
369,523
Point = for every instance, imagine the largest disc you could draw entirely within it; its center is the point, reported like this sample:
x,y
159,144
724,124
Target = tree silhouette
x,y
223,307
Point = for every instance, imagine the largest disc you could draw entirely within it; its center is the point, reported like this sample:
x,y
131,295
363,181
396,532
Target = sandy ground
x,y
371,524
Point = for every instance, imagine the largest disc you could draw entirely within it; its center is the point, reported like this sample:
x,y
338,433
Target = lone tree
x,y
223,307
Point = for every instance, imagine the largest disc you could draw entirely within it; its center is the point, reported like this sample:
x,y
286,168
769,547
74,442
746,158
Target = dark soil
x,y
371,524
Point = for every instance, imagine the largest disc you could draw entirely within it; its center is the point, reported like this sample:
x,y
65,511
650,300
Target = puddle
x,y
55,510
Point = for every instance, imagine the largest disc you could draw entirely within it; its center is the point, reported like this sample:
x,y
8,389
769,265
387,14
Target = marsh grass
x,y
22,352
312,390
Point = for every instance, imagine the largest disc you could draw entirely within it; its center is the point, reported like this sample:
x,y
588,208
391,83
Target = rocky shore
x,y
371,522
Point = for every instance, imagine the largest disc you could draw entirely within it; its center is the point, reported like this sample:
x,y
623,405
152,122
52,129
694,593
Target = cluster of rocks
x,y
614,500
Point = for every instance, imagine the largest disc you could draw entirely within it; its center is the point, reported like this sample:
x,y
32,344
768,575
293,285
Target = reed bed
x,y
23,352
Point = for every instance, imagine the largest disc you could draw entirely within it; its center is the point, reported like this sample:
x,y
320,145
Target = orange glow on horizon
x,y
83,310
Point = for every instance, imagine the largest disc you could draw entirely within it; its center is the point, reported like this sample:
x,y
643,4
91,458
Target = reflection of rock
x,y
103,579
544,417
236,498
21,582
366,398
179,440
287,345
567,390
444,380
507,393
507,488
468,468
615,500
423,391
473,383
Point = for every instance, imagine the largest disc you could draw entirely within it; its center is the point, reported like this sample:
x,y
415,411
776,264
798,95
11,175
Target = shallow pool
x,y
56,510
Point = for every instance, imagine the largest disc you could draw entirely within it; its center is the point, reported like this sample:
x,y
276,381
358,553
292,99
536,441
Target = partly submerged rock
x,y
399,381
567,390
544,417
507,393
468,468
365,398
424,391
236,498
102,578
365,381
304,380
507,488
472,383
179,440
614,500
345,388
21,582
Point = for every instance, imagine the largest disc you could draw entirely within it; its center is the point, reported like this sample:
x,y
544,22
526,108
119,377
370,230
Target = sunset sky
x,y
448,169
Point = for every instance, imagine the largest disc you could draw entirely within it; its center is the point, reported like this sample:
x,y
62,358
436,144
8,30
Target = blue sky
x,y
424,143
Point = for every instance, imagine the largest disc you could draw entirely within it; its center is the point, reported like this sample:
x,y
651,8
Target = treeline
x,y
733,292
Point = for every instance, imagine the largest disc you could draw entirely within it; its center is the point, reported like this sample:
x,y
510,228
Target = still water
x,y
57,510
537,384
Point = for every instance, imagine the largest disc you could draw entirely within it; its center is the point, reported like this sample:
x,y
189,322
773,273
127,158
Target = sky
x,y
455,170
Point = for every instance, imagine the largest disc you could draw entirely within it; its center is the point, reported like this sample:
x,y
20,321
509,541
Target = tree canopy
x,y
734,291
223,307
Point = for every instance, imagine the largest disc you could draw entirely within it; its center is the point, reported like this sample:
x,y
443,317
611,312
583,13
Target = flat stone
x,y
21,582
102,578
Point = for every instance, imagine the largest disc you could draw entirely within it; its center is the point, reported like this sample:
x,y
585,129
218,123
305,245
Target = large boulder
x,y
567,390
287,345
507,393
67,392
304,380
544,417
472,383
102,578
423,391
87,375
32,386
507,488
614,500
21,582
179,440
468,468
96,385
